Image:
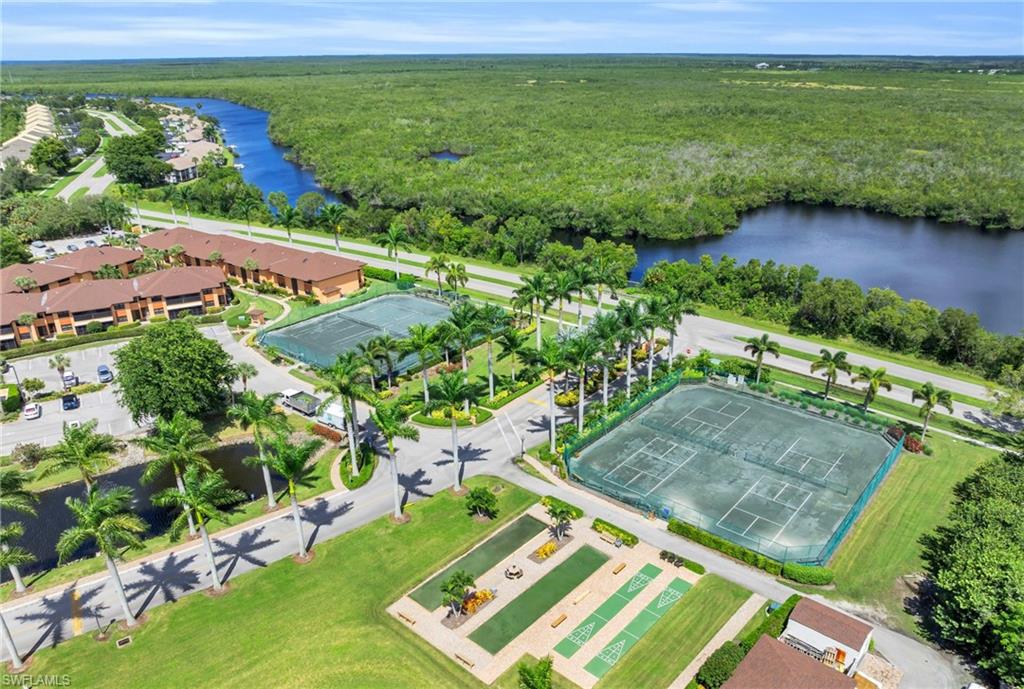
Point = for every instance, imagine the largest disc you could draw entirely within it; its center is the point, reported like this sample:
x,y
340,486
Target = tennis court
x,y
319,340
770,477
606,659
596,621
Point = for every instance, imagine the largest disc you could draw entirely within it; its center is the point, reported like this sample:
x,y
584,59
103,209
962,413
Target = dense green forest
x,y
658,146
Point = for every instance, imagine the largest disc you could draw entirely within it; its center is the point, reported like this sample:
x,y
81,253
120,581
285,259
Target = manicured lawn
x,y
884,544
480,559
321,624
512,620
678,637
78,193
510,679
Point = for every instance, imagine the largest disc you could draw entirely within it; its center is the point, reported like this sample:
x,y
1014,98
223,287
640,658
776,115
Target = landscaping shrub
x,y
680,561
773,624
567,399
28,455
807,574
720,665
547,457
626,537
12,402
478,413
93,327
723,546
327,432
367,462
482,501
549,500
71,340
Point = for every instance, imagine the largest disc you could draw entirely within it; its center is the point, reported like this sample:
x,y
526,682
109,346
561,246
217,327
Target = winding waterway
x,y
945,265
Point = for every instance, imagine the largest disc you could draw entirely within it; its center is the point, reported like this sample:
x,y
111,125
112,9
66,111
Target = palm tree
x,y
390,423
932,397
245,371
333,216
294,464
604,328
654,316
631,324
454,589
444,333
394,238
874,379
456,276
113,211
831,363
60,362
248,205
465,326
370,352
178,443
561,514
132,192
14,496
582,351
492,319
186,196
436,265
200,499
550,357
17,662
104,518
676,306
289,218
345,382
535,289
387,346
513,346
606,274
757,347
422,341
84,449
262,415
561,286
449,392
583,281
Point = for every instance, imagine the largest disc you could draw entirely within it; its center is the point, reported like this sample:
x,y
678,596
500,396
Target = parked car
x,y
90,243
104,374
33,411
72,247
39,244
70,401
70,379
50,252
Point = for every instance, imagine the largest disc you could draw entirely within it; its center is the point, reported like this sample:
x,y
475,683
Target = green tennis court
x,y
512,620
481,559
640,625
614,604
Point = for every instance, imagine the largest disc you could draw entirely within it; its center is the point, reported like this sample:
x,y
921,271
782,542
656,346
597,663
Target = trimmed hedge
x,y
680,561
12,402
386,275
723,546
720,665
482,415
367,462
115,333
601,526
773,624
549,500
808,574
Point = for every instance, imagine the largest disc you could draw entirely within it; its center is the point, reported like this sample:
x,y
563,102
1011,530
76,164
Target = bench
x,y
408,619
608,538
559,620
465,661
581,597
619,567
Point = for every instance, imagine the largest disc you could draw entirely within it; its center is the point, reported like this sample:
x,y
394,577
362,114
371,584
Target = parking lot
x,y
60,246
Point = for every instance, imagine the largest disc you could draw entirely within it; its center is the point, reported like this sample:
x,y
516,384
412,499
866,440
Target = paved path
x,y
89,180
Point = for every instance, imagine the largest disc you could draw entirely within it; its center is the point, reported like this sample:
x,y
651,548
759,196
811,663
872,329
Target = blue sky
x,y
80,29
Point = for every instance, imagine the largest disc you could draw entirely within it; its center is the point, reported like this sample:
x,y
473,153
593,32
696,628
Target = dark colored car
x,y
70,401
104,374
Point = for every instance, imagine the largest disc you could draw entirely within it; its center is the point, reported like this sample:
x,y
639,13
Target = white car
x,y
33,411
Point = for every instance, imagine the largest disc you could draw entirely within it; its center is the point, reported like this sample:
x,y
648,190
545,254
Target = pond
x,y
53,516
447,156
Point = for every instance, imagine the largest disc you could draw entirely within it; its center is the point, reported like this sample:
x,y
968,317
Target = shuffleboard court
x,y
480,559
512,620
614,604
640,625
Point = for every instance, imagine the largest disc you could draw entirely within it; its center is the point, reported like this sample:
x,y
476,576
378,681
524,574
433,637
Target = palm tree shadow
x,y
244,548
412,483
168,578
53,617
467,454
320,513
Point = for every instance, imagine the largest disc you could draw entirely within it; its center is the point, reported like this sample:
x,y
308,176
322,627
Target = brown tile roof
x,y
42,273
90,259
835,625
287,261
772,664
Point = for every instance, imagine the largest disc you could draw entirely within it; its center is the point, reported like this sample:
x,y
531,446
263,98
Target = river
x,y
943,264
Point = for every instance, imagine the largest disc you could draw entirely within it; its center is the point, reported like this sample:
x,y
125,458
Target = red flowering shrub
x,y
327,432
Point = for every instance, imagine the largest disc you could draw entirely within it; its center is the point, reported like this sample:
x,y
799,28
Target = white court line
x,y
775,538
715,436
735,505
834,465
670,474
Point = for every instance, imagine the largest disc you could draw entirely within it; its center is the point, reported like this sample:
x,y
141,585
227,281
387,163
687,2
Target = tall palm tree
x,y
676,306
186,197
436,265
133,193
513,346
262,415
582,352
465,324
492,320
105,518
456,276
604,328
294,464
931,397
14,497
631,326
370,353
246,371
606,274
345,382
248,205
289,218
875,379
178,443
387,347
551,358
561,286
390,423
757,347
60,363
444,333
200,501
422,341
333,216
536,289
831,363
583,282
84,449
393,239
654,316
449,392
